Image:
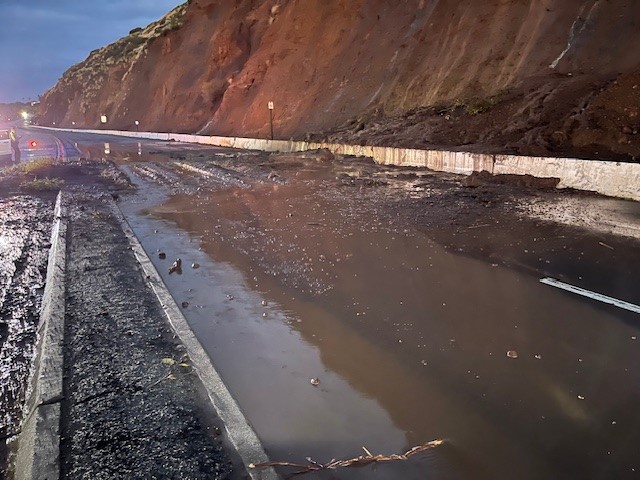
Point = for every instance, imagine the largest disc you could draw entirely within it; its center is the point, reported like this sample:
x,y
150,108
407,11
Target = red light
x,y
33,144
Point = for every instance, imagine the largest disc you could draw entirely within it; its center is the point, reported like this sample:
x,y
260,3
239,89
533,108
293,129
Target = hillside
x,y
520,76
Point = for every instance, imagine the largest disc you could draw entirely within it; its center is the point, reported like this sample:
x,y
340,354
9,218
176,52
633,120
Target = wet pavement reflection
x,y
25,224
409,341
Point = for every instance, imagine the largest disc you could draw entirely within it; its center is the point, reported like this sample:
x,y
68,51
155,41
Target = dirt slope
x,y
521,76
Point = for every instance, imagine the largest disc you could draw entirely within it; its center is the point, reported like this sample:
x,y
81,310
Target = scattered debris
x,y
263,303
168,361
195,266
176,267
606,246
230,297
512,354
360,461
538,357
315,382
185,304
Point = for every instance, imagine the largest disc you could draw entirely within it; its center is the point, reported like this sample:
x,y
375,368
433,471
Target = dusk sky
x,y
40,39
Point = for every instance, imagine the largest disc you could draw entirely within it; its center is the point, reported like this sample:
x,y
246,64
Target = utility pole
x,y
270,105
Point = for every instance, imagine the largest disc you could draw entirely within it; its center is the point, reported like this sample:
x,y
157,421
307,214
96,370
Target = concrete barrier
x,y
38,449
616,179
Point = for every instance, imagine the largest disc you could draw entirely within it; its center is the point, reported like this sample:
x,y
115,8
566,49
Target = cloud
x,y
40,39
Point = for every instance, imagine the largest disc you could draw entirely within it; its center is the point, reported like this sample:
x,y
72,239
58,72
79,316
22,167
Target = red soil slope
x,y
525,76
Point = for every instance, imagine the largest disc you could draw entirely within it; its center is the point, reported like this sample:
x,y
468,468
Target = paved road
x,y
408,299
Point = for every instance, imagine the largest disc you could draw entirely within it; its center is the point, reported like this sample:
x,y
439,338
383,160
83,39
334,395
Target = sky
x,y
40,39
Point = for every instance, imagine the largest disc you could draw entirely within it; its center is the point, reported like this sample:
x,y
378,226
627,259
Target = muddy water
x,y
408,340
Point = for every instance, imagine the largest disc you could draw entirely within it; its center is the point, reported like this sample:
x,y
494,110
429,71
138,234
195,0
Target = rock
x,y
176,267
315,382
195,266
512,354
162,255
185,304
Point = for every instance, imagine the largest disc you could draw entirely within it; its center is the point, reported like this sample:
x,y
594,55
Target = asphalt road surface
x,y
415,303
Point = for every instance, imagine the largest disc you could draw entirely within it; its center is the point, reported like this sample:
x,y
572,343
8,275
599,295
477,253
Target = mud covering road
x,y
132,406
399,290
25,224
410,287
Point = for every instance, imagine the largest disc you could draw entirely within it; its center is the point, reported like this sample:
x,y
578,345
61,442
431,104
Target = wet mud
x,y
402,291
132,405
412,297
25,228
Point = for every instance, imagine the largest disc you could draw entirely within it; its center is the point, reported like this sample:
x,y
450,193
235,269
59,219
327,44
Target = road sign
x,y
270,105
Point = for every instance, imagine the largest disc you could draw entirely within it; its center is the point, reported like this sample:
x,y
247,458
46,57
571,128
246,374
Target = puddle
x,y
408,340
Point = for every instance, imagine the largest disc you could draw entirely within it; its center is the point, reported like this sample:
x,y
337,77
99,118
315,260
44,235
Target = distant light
x,y
25,115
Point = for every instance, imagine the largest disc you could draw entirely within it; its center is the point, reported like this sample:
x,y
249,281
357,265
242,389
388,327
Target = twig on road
x,y
360,461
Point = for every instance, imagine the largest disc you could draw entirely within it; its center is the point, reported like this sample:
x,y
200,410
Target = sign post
x,y
270,105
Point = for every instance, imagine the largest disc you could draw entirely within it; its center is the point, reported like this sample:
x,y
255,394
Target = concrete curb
x,y
239,432
38,446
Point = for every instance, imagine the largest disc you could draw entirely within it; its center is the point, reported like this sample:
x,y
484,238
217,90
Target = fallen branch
x,y
360,461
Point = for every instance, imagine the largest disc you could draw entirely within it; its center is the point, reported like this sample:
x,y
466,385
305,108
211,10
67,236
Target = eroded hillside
x,y
529,77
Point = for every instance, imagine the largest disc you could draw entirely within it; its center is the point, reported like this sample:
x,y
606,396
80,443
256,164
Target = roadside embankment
x,y
615,179
118,391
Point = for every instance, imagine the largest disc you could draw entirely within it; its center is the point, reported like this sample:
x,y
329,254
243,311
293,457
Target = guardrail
x,y
615,179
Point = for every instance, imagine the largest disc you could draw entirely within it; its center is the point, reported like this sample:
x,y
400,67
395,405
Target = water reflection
x,y
408,340
425,333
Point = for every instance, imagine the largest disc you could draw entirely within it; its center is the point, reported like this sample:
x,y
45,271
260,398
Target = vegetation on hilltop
x,y
91,73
